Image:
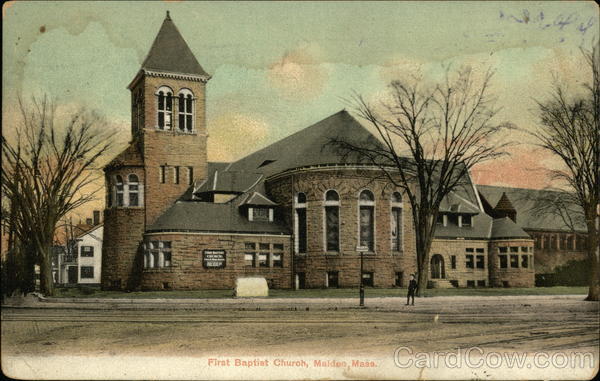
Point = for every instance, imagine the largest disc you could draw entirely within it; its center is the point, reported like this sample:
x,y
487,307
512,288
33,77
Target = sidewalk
x,y
284,304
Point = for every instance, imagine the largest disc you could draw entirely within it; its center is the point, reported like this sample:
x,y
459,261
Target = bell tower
x,y
166,155
169,119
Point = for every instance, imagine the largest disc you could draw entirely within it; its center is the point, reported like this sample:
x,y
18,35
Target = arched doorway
x,y
437,267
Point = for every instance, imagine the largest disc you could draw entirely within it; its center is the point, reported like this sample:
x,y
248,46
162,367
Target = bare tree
x,y
570,130
47,172
444,130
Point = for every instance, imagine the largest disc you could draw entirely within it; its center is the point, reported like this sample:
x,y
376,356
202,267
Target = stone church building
x,y
294,212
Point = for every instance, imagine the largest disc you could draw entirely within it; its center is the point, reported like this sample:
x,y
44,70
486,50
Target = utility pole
x,y
361,289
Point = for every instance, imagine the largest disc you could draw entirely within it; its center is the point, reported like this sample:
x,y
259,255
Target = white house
x,y
81,263
89,256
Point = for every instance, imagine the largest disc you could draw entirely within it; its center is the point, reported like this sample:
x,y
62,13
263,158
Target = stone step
x,y
439,283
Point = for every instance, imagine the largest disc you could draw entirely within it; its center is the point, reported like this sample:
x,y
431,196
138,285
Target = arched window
x,y
186,110
332,221
164,107
109,194
366,203
119,187
137,109
133,188
300,228
301,198
396,221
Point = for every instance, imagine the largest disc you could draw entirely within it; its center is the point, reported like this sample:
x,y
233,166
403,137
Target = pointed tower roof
x,y
170,53
504,203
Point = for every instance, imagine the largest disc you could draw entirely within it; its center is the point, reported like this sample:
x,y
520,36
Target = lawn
x,y
320,293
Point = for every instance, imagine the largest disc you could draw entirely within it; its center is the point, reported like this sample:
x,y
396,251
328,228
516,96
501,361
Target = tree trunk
x,y
423,243
46,280
26,265
593,250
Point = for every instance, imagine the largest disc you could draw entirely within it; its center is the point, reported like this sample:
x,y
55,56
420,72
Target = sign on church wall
x,y
213,259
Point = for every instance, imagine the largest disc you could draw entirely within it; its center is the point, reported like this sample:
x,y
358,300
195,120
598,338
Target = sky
x,y
278,67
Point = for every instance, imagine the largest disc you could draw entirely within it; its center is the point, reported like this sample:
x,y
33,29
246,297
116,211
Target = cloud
x,y
299,74
526,167
234,135
400,67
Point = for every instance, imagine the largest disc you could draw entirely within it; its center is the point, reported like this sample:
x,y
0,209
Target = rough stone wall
x,y
383,262
171,148
457,247
188,273
511,277
123,230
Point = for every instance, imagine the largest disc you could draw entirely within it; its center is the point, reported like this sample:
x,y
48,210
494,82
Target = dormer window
x,y
442,219
467,221
259,207
164,107
261,214
186,110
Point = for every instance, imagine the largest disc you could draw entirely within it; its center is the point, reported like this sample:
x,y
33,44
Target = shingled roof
x,y
503,228
130,156
524,201
170,53
212,217
504,203
257,199
308,147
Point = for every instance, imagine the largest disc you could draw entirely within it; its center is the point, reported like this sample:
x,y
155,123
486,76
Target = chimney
x,y
96,217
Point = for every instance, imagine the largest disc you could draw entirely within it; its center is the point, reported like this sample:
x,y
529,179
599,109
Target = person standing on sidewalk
x,y
412,288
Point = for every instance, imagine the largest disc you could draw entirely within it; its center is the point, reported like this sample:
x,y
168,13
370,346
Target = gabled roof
x,y
525,203
454,202
307,147
170,53
90,231
257,199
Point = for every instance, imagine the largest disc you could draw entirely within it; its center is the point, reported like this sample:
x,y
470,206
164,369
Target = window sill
x,y
160,269
126,207
176,131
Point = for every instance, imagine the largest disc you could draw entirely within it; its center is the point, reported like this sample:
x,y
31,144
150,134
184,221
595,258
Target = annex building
x,y
293,212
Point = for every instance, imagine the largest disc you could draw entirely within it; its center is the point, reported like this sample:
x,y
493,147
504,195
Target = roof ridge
x,y
341,112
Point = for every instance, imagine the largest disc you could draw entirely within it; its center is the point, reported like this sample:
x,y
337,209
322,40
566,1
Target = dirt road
x,y
306,327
